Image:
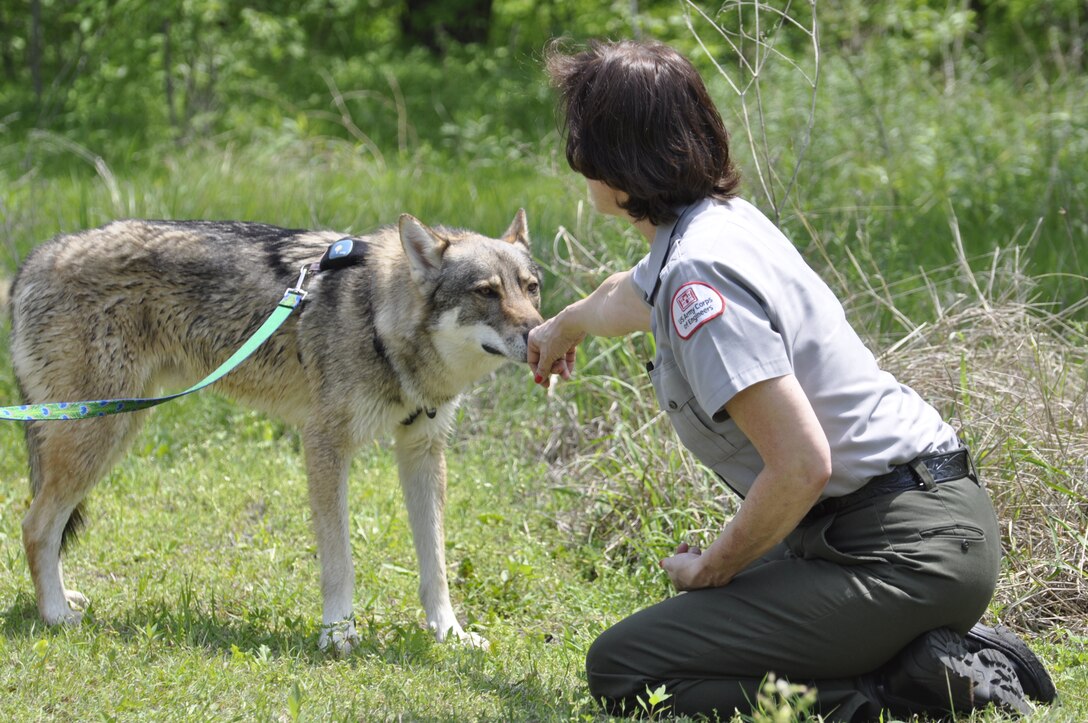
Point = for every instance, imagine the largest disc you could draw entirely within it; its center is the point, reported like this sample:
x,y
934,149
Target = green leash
x,y
60,411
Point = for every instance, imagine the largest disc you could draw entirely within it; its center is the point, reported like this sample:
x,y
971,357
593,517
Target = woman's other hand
x,y
687,570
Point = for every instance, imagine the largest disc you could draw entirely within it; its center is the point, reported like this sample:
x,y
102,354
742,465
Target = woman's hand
x,y
552,348
687,569
615,308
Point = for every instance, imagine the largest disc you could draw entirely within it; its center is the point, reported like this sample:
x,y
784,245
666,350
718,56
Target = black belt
x,y
921,473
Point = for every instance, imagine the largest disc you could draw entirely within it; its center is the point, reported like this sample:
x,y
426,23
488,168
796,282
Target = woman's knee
x,y
609,667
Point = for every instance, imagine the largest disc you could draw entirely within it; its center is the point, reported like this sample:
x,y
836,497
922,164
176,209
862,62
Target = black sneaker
x,y
1029,669
938,674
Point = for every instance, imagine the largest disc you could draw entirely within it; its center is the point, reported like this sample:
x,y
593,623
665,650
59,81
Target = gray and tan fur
x,y
136,307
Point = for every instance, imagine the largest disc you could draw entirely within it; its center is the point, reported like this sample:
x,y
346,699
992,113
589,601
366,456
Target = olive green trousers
x,y
836,601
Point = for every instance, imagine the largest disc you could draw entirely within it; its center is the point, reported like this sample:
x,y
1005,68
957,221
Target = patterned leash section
x,y
64,411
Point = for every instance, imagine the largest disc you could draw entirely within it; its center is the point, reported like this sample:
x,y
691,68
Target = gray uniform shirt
x,y
736,304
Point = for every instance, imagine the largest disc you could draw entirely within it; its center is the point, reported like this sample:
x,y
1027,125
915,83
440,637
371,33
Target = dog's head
x,y
485,292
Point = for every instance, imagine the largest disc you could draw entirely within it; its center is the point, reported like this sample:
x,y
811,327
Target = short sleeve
x,y
722,336
644,277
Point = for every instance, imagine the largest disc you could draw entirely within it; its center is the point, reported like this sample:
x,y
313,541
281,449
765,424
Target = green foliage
x,y
117,75
780,701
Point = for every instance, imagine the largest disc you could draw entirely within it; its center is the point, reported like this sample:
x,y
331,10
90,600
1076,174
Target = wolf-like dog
x,y
383,347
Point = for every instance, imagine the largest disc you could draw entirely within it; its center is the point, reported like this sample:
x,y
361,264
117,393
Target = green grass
x,y
202,573
203,579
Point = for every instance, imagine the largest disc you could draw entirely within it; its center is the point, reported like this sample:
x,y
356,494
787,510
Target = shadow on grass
x,y
180,625
263,635
257,631
21,619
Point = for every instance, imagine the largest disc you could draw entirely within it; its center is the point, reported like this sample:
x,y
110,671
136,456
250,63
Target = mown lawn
x,y
203,578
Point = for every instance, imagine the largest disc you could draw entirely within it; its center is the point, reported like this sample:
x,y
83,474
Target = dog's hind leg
x,y
66,459
421,461
327,462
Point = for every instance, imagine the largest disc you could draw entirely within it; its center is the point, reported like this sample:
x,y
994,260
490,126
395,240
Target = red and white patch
x,y
693,305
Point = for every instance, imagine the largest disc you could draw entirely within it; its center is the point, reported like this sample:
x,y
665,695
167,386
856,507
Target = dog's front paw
x,y
63,616
454,633
67,610
76,600
339,637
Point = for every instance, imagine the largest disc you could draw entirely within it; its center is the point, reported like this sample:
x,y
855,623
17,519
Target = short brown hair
x,y
637,116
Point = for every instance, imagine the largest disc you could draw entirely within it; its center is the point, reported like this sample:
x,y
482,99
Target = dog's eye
x,y
532,287
488,292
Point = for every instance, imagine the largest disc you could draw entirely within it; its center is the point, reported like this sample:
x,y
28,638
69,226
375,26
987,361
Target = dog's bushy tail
x,y
72,527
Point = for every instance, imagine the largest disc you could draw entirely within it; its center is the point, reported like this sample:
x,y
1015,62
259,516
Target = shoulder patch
x,y
693,305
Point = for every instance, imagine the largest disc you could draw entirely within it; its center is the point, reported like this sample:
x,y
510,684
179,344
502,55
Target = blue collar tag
x,y
342,253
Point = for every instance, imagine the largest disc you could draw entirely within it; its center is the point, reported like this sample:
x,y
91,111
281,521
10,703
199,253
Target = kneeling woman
x,y
865,549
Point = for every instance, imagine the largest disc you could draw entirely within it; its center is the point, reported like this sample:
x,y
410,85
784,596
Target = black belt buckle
x,y
922,474
932,469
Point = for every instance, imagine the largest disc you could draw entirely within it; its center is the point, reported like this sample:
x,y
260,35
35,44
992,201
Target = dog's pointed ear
x,y
423,247
518,233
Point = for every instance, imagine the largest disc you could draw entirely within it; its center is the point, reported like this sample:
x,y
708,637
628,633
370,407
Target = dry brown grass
x,y
1013,378
1011,374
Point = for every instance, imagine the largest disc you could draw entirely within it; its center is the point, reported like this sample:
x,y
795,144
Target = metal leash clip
x,y
297,289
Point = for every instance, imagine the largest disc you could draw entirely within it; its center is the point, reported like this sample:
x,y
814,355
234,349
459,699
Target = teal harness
x,y
342,253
